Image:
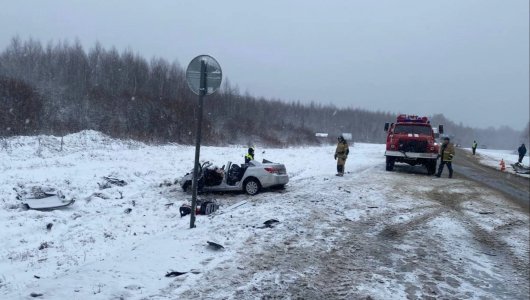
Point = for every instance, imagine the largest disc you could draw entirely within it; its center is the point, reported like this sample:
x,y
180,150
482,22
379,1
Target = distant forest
x,y
60,88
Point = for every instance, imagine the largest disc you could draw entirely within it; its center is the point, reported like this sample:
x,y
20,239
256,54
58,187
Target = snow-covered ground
x,y
387,235
493,158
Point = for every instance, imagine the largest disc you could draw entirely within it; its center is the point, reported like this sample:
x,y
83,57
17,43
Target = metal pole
x,y
202,93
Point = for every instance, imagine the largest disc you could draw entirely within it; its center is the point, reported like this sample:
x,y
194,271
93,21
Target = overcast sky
x,y
467,59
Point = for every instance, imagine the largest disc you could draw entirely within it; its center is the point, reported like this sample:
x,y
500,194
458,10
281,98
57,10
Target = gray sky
x,y
467,59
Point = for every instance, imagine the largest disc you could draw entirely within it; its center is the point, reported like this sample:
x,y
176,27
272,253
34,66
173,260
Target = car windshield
x,y
413,129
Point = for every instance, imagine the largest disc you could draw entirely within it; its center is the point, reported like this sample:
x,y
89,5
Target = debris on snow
x,y
270,223
97,195
44,245
175,274
215,246
110,181
41,198
35,295
168,183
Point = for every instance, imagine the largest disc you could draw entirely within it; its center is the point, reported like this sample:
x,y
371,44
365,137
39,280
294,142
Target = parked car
x,y
250,178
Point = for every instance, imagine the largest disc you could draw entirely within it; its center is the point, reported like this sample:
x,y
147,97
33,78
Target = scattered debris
x,y
521,169
41,198
270,223
373,206
36,192
44,245
228,209
345,190
108,235
128,210
203,208
486,212
49,226
99,195
168,183
49,203
35,276
175,274
215,246
35,295
185,209
110,182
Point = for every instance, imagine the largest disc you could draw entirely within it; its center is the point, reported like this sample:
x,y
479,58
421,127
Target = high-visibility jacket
x,y
474,145
447,152
248,158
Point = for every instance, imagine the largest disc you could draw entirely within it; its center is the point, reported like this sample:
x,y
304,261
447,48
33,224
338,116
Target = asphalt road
x,y
514,187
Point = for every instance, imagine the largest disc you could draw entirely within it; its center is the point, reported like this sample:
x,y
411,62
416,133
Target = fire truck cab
x,y
411,139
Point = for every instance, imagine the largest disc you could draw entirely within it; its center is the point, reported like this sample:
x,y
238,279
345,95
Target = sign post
x,y
204,77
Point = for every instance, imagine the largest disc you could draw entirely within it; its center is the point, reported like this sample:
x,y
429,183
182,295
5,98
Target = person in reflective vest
x,y
474,147
447,152
341,154
250,155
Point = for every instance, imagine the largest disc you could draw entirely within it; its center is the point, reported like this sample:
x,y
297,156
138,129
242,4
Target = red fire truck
x,y
411,140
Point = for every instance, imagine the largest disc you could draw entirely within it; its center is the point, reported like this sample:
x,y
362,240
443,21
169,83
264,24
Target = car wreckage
x,y
250,178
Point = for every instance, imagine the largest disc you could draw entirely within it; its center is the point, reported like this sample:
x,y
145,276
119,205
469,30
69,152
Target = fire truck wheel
x,y
390,161
431,167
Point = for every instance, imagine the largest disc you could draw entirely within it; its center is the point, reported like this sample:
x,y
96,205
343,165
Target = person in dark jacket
x,y
341,154
250,155
447,152
522,152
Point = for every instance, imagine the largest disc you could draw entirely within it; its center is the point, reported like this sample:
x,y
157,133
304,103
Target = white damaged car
x,y
250,178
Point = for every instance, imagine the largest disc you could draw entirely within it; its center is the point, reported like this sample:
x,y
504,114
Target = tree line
x,y
61,88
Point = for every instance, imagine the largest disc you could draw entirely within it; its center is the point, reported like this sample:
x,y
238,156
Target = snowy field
x,y
387,235
493,158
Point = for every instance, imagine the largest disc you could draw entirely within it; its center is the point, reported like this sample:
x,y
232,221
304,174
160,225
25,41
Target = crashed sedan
x,y
250,178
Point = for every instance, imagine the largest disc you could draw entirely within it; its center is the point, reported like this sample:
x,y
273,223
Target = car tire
x,y
390,161
252,186
186,187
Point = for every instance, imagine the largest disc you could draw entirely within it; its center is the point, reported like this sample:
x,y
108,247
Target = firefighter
x,y
341,154
474,147
250,155
522,153
447,152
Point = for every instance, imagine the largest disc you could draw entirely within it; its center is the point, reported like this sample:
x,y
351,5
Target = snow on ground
x,y
372,233
492,158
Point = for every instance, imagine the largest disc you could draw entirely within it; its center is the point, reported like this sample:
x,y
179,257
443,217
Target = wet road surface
x,y
514,187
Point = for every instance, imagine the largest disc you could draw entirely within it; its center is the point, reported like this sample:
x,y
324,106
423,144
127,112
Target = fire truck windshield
x,y
413,129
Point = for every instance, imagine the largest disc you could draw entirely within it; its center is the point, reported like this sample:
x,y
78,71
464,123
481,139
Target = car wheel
x,y
186,187
252,186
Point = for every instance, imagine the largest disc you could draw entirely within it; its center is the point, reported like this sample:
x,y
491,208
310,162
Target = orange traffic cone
x,y
503,165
